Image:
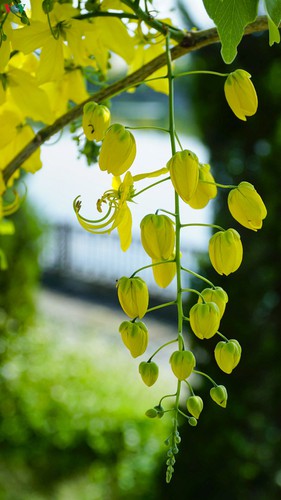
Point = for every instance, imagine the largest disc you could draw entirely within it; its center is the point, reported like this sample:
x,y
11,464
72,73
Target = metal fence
x,y
72,253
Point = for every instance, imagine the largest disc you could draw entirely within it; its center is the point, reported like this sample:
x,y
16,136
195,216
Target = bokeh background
x,y
72,405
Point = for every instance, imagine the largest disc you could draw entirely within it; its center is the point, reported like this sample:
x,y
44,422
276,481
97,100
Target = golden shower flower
x,y
96,120
240,94
182,364
206,188
204,319
226,251
118,214
246,206
227,355
118,150
158,236
133,296
134,336
184,172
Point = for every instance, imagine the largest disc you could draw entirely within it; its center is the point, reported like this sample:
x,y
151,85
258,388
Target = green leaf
x,y
231,17
274,35
273,8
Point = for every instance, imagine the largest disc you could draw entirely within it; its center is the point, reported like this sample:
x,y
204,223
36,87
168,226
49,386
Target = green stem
x,y
161,306
205,375
223,337
150,186
165,211
200,72
183,414
215,226
148,127
167,396
224,186
198,276
190,388
178,140
193,291
162,347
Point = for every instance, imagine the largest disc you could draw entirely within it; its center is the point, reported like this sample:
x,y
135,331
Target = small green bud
x,y
246,206
216,295
219,395
182,364
205,319
192,421
151,413
47,6
158,236
184,172
227,355
226,251
133,296
160,411
134,336
149,372
195,406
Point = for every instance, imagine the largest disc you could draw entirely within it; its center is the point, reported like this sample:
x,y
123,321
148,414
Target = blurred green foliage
x,y
18,283
71,423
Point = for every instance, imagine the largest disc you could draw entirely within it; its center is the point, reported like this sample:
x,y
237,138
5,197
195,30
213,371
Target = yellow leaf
x,y
31,37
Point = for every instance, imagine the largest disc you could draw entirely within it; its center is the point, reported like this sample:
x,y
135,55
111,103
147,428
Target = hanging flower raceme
x,y
96,120
206,188
246,206
226,251
158,236
240,94
118,214
184,172
118,150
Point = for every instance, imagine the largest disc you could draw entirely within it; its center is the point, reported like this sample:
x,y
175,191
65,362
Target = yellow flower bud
x,y
157,236
195,405
182,363
240,94
227,355
219,395
226,251
184,172
205,319
118,150
216,295
134,336
149,372
204,191
133,296
95,121
246,206
164,273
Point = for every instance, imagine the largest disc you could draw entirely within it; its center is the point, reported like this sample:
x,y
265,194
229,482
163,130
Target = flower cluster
x,y
160,234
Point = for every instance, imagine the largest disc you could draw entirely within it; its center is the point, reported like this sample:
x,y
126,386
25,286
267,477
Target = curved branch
x,y
192,41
